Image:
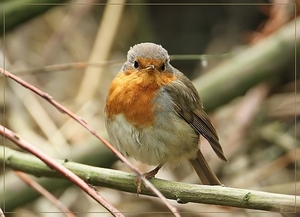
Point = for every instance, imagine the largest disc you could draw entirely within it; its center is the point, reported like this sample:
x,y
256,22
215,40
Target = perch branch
x,y
181,192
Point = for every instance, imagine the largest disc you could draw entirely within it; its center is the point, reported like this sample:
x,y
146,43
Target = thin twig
x,y
45,193
201,56
79,120
58,167
66,66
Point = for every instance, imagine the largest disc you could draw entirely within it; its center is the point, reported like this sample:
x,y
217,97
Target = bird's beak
x,y
151,67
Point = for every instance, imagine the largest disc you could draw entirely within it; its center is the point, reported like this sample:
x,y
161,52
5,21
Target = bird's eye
x,y
163,67
136,64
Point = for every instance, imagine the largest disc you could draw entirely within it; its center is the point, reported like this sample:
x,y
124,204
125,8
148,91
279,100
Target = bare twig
x,y
62,109
58,167
45,193
66,66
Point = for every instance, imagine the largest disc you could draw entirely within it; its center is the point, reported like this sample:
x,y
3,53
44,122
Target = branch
x,y
49,162
181,192
33,184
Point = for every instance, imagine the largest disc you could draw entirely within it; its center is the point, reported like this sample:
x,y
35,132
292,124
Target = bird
x,y
154,114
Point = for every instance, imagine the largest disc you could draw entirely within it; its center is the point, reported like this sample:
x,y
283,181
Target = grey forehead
x,y
147,50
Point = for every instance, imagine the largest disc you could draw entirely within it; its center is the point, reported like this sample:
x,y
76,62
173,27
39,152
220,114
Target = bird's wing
x,y
188,105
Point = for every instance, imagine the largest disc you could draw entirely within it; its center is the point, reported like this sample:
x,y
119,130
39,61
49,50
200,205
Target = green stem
x,y
181,192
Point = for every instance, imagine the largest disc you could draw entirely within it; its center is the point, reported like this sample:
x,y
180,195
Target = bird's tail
x,y
203,170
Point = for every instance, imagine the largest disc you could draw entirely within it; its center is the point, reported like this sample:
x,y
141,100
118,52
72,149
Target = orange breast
x,y
132,93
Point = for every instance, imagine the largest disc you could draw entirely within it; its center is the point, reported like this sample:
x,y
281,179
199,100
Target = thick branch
x,y
181,192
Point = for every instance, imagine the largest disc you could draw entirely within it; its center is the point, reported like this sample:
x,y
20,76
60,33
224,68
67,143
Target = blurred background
x,y
241,57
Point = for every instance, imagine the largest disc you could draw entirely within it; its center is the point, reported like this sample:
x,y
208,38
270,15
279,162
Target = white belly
x,y
170,141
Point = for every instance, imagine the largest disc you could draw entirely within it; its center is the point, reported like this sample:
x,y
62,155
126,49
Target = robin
x,y
154,114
